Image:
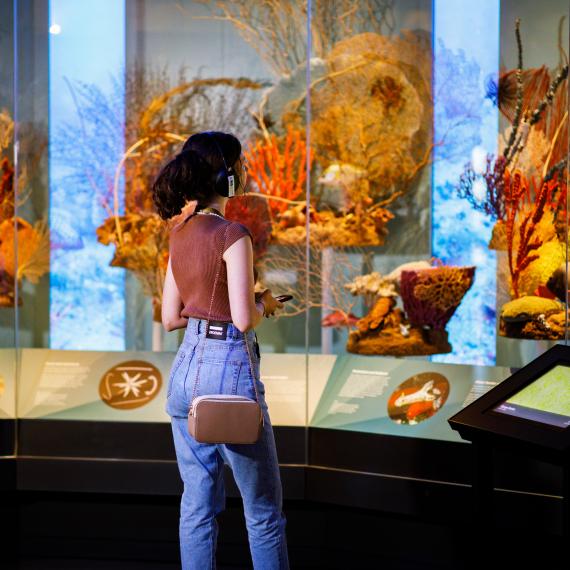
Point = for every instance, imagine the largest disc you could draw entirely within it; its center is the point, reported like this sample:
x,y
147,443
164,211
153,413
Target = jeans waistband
x,y
197,326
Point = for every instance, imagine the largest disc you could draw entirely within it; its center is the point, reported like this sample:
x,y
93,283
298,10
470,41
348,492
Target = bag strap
x,y
209,313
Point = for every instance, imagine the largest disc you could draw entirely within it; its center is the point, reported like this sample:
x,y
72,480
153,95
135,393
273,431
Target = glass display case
x,y
407,183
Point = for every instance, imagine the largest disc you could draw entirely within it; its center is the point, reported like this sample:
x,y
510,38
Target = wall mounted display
x,y
407,185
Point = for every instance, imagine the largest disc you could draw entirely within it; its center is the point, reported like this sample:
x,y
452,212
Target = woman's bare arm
x,y
172,304
246,314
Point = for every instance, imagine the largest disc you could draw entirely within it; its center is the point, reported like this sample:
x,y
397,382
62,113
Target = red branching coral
x,y
526,209
432,295
253,213
279,172
6,189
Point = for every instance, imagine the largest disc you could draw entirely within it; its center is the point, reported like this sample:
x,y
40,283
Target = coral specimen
x,y
394,335
338,319
141,248
278,168
376,317
431,296
33,255
327,229
528,307
535,142
161,113
31,241
551,255
522,247
372,284
368,111
557,282
533,318
276,29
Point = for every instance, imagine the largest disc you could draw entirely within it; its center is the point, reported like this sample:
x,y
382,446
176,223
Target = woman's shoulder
x,y
234,231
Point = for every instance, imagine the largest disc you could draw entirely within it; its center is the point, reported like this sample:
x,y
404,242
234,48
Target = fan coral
x,y
368,110
431,296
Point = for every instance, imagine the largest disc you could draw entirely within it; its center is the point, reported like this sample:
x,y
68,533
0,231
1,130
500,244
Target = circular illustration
x,y
418,398
130,384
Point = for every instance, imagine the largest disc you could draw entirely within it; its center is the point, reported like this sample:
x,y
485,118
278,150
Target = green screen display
x,y
545,400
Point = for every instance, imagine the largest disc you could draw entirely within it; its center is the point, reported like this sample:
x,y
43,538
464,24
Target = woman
x,y
202,171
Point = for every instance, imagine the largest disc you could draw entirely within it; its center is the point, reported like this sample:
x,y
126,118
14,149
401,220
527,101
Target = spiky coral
x,y
278,168
431,296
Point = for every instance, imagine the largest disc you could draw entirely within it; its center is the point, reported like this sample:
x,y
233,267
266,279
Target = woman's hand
x,y
270,302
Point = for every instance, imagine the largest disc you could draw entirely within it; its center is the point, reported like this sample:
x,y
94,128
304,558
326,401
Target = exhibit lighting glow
x,y
55,29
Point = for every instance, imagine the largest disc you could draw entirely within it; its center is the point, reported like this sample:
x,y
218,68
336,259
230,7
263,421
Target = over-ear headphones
x,y
225,183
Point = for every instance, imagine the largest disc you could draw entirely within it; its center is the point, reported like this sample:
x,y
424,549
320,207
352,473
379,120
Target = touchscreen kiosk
x,y
531,408
545,400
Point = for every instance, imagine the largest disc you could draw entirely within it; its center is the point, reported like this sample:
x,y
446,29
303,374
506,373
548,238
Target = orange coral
x,y
142,249
279,173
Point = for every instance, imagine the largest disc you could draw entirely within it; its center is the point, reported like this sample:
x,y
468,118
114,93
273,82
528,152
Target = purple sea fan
x,y
432,295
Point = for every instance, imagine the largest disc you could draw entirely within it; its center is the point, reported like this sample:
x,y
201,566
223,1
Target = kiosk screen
x,y
545,400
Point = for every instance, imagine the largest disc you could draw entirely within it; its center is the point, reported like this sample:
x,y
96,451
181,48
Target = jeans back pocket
x,y
215,376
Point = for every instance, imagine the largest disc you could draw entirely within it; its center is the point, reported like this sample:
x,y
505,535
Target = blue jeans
x,y
225,369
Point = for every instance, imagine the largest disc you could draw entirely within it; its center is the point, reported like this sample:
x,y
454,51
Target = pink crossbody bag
x,y
224,418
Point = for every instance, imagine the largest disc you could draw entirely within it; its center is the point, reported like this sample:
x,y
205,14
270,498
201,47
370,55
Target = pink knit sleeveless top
x,y
194,256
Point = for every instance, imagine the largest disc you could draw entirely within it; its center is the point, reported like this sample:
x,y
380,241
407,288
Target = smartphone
x,y
283,298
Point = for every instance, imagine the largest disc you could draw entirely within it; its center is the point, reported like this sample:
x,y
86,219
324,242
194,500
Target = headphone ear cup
x,y
221,183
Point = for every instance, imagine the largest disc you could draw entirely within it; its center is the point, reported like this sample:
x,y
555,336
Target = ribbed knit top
x,y
194,254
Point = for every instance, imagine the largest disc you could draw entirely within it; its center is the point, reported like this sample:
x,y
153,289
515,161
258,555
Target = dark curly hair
x,y
196,172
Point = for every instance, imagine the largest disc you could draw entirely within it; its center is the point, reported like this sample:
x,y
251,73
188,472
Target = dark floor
x,y
92,532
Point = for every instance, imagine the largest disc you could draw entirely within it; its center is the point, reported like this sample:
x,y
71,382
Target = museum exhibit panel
x,y
407,185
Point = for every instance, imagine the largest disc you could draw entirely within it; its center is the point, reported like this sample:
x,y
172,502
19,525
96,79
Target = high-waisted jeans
x,y
225,369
